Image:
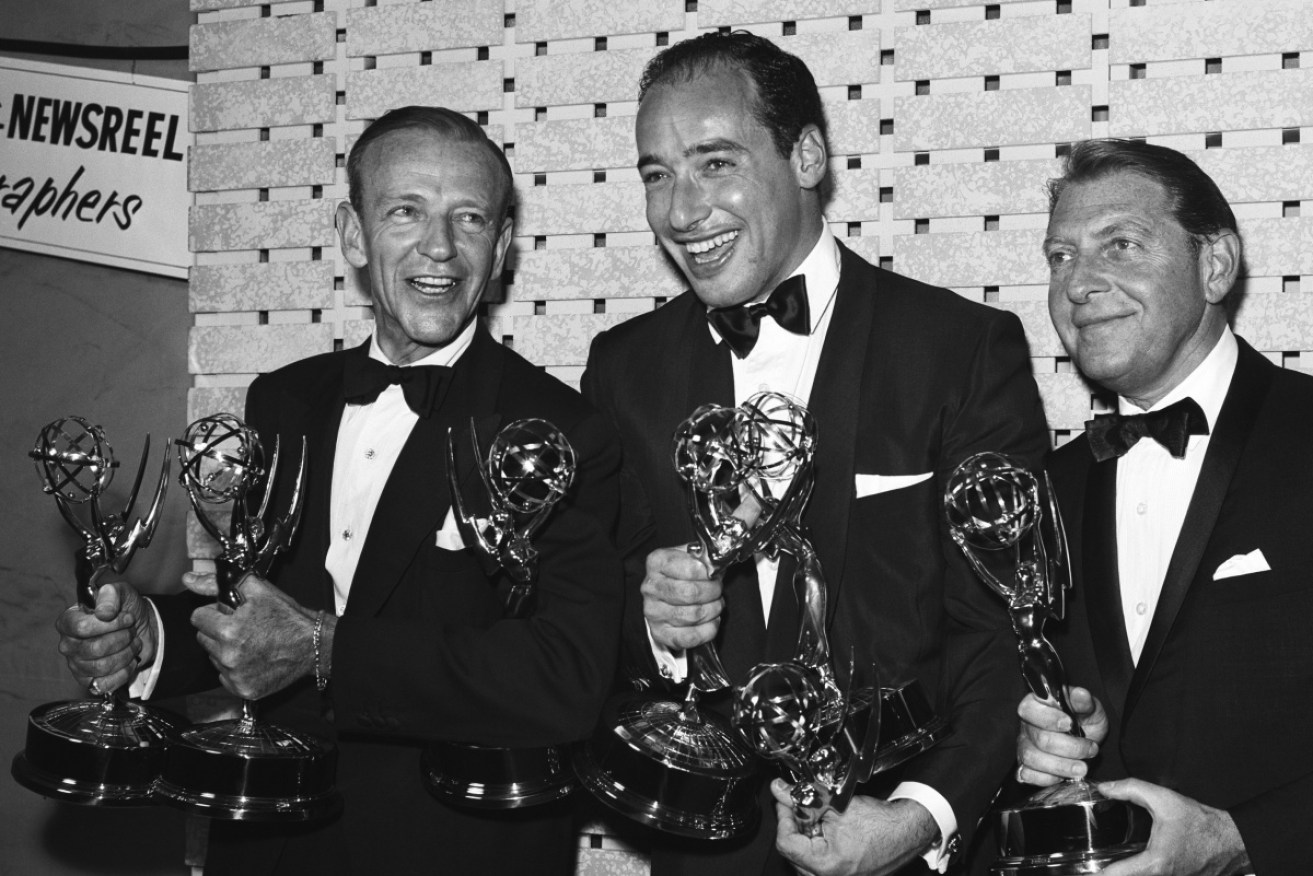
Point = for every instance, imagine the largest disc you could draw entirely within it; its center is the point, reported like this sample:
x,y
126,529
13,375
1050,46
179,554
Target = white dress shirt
x,y
786,363
1154,490
369,440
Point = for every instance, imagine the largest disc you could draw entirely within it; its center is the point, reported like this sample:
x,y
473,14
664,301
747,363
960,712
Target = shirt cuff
x,y
939,854
144,684
672,665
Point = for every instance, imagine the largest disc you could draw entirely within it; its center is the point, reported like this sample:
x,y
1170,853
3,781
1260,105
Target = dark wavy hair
x,y
786,99
440,120
1197,203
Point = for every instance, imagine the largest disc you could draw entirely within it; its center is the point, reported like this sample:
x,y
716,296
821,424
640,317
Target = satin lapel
x,y
416,498
710,375
1244,398
850,343
315,412
1101,582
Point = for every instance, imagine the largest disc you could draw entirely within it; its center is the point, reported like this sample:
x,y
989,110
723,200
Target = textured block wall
x,y
947,116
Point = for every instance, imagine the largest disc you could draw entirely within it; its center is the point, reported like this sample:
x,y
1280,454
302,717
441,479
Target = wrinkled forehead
x,y
441,153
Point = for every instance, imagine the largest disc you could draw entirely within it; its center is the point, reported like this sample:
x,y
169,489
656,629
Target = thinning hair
x,y
1197,203
785,99
446,123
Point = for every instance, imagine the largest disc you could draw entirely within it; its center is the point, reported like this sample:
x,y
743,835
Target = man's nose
x,y
1086,275
436,241
688,204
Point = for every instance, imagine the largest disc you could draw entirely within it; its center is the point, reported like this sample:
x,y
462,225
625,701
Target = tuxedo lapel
x,y
838,388
1101,582
709,378
315,412
1244,398
416,498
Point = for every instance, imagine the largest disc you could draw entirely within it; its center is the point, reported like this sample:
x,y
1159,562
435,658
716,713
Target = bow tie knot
x,y
422,385
1112,435
740,324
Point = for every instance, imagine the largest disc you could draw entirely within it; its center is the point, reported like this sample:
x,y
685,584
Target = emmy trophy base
x,y
236,770
485,777
689,776
1069,828
909,725
94,752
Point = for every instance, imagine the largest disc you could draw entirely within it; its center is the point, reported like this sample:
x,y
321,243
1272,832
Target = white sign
x,y
93,166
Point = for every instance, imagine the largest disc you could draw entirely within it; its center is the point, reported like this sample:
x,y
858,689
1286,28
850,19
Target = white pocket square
x,y
871,484
449,537
1242,564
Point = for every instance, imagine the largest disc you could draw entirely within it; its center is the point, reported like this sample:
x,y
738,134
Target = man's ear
x,y
810,157
503,246
1219,264
351,235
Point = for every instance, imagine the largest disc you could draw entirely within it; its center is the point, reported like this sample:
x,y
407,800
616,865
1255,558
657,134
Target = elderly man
x,y
905,380
411,642
1188,515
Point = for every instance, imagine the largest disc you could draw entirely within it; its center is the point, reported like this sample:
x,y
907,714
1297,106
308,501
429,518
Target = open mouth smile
x,y
713,250
432,285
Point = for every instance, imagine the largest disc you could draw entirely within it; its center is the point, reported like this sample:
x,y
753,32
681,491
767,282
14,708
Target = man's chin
x,y
720,291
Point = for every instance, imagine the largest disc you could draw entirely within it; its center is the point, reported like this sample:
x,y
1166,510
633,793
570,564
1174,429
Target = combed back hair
x,y
786,99
440,120
1197,203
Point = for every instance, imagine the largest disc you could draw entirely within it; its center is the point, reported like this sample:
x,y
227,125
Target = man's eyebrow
x,y
720,144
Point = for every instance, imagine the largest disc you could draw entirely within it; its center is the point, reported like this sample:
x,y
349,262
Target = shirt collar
x,y
1206,384
821,268
446,355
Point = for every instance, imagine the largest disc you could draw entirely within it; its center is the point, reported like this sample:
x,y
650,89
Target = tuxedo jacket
x,y
422,651
1214,707
911,380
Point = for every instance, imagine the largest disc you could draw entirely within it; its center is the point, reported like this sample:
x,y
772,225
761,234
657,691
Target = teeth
x,y
432,284
701,246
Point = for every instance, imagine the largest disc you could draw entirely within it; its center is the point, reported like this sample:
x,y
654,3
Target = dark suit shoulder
x,y
528,390
657,330
920,304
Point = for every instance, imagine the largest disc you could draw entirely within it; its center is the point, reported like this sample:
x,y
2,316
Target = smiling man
x,y
1188,513
904,379
379,629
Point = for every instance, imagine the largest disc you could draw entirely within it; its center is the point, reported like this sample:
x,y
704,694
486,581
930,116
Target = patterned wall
x,y
947,116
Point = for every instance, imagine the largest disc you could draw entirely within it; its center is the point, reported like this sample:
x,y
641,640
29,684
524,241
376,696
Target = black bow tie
x,y
422,385
1111,435
740,324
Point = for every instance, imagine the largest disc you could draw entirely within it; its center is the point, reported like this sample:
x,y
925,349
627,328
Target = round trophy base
x,y
94,752
244,770
909,725
688,775
1069,828
485,777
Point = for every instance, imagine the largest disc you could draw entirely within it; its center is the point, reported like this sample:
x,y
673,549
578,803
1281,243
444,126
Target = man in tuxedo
x,y
1188,516
904,380
380,629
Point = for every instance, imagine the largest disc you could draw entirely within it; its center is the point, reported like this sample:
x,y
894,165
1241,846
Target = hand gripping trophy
x,y
671,765
529,468
1011,532
106,751
244,769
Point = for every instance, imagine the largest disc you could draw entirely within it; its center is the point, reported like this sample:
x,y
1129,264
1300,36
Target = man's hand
x,y
681,603
1188,838
109,644
1046,751
872,837
261,647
